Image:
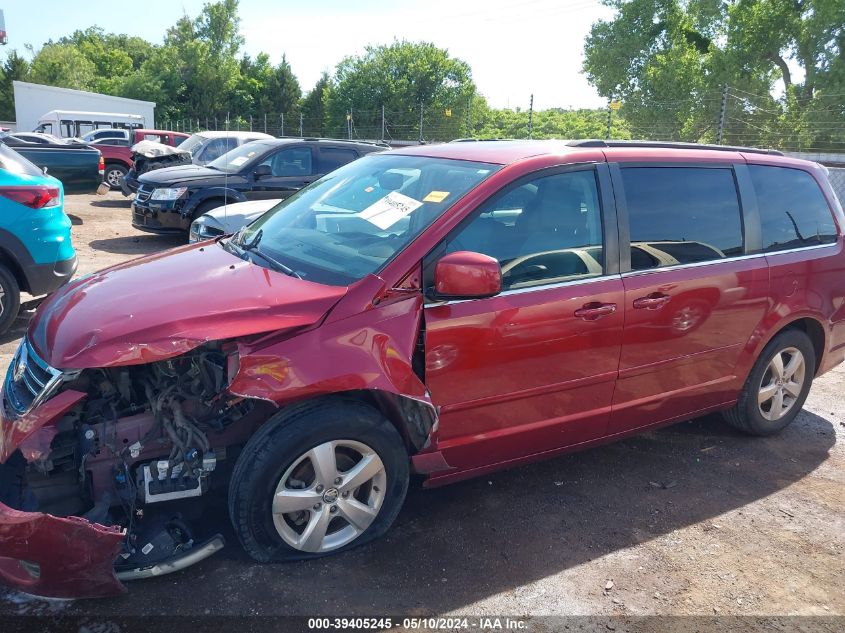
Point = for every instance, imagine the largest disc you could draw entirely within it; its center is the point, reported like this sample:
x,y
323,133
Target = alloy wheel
x,y
782,383
113,177
329,496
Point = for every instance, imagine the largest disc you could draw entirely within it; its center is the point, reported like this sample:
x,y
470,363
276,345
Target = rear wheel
x,y
114,175
10,298
318,479
777,385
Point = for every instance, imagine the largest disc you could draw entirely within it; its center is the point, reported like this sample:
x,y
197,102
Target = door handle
x,y
654,301
595,310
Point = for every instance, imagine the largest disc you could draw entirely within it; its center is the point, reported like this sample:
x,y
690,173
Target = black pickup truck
x,y
77,165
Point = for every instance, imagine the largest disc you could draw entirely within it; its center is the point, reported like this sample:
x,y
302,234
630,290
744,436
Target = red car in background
x,y
117,152
447,310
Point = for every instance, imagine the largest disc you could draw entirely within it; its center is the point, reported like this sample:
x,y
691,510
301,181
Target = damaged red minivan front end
x,y
81,448
144,390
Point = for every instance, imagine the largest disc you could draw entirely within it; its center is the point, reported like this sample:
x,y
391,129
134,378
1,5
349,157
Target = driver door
x,y
533,368
291,168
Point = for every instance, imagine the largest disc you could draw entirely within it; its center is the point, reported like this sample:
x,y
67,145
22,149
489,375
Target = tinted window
x,y
294,161
333,157
681,215
545,231
13,162
793,211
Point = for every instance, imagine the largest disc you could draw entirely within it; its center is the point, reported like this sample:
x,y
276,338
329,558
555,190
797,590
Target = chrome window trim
x,y
587,280
736,258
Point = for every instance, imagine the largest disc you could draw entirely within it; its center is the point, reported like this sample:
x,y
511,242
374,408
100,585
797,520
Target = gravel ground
x,y
694,519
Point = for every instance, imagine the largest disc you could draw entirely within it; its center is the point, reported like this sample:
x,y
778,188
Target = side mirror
x,y
467,275
261,171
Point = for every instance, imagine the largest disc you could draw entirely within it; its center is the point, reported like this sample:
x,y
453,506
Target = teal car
x,y
36,254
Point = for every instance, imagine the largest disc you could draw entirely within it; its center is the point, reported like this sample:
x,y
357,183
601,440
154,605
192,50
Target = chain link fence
x,y
837,181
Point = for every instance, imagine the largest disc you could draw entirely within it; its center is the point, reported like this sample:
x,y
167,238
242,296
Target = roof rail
x,y
671,145
478,140
342,140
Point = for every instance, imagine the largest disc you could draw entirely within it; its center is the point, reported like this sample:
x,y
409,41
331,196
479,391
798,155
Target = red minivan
x,y
444,310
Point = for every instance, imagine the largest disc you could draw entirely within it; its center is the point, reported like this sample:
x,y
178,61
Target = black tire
x,y
10,299
746,415
205,207
282,441
114,174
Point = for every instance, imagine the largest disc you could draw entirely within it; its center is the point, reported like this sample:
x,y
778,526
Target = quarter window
x,y
793,211
681,215
547,230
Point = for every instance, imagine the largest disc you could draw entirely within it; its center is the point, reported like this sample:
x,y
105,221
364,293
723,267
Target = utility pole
x,y
382,121
300,125
282,119
469,112
609,118
531,115
349,124
723,111
421,122
265,123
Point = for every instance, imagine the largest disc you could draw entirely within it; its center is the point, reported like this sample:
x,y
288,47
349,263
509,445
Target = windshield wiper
x,y
252,247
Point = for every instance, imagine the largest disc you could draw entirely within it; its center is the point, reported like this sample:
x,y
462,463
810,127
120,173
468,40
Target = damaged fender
x,y
46,555
63,557
368,351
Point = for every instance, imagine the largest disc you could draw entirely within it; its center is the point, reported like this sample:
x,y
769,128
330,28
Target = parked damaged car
x,y
441,310
200,149
169,200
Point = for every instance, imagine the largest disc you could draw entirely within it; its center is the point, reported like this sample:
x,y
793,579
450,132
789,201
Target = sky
x,y
514,47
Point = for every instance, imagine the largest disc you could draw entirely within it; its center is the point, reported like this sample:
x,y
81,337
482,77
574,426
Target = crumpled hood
x,y
164,305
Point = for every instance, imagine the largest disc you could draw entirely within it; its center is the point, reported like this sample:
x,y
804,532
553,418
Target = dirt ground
x,y
692,519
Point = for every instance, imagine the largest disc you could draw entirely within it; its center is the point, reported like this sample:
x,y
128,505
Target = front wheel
x,y
10,299
318,479
777,386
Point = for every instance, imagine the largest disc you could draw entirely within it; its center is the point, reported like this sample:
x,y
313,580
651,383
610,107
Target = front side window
x,y
291,162
547,230
351,222
681,215
793,210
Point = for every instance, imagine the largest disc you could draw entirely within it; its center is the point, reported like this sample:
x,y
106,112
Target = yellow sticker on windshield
x,y
436,196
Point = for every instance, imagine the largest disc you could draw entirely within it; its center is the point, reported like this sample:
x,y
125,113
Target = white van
x,y
72,123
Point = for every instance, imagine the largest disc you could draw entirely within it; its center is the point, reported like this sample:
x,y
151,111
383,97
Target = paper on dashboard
x,y
389,210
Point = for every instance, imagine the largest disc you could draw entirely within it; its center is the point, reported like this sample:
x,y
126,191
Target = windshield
x,y
192,143
354,220
234,160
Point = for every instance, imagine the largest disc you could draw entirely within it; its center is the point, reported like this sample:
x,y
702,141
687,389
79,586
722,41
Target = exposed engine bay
x,y
146,439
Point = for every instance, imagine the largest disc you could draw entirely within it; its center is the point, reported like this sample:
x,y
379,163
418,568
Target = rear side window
x,y
333,157
681,215
793,210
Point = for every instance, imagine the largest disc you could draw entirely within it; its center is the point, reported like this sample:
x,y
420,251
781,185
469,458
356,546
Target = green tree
x,y
668,61
15,68
62,65
313,107
201,55
403,77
